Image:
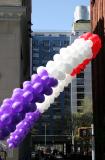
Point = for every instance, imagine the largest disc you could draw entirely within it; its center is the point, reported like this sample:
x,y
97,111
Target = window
x,y
56,43
35,43
66,43
77,33
46,116
80,95
44,61
62,35
34,68
46,43
80,89
35,61
57,117
66,102
67,89
81,75
79,102
36,55
80,110
80,81
57,110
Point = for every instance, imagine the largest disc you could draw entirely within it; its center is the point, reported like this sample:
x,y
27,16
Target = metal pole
x,y
93,144
45,134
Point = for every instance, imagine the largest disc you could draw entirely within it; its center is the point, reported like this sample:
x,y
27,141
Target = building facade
x,y
15,24
98,79
55,123
81,86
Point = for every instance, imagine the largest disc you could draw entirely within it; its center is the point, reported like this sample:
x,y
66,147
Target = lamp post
x,y
45,134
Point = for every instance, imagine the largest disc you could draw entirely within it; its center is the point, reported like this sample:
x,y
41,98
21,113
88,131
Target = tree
x,y
84,118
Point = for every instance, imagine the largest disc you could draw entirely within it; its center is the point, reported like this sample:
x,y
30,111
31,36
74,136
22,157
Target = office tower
x,y
15,24
55,123
81,86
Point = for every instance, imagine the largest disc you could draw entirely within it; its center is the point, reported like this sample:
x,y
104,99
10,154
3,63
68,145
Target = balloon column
x,y
19,113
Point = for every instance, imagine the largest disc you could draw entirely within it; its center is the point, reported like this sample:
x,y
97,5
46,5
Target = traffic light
x,y
85,132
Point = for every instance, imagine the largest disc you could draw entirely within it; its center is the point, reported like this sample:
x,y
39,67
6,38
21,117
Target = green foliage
x,y
84,118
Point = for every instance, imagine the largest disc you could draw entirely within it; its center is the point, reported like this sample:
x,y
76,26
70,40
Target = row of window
x,y
47,43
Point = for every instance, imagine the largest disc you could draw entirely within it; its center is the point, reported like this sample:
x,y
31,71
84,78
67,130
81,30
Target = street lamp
x,y
45,134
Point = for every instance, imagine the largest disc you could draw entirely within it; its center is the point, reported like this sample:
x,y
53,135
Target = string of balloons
x,y
19,113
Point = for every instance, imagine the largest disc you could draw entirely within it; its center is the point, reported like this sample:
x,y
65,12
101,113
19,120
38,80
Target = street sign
x,y
85,132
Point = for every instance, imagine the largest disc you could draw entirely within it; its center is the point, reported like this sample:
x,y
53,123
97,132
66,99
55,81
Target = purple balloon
x,y
12,142
42,73
22,128
38,88
45,79
32,107
5,118
48,91
7,101
35,78
40,98
49,81
18,90
26,125
17,107
17,97
17,117
28,96
25,83
11,128
53,82
4,106
28,87
11,145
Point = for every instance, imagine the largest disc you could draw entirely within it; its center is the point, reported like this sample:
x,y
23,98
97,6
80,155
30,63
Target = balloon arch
x,y
19,113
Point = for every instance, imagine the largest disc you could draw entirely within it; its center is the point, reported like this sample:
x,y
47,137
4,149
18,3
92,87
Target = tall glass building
x,y
54,126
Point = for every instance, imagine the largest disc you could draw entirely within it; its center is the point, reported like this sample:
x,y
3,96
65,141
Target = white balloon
x,y
90,43
57,57
56,94
78,41
57,74
68,78
56,91
50,64
68,68
60,66
40,107
67,54
62,51
61,86
88,53
39,69
49,99
46,105
52,99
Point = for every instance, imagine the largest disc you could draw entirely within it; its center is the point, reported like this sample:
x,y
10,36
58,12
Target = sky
x,y
54,15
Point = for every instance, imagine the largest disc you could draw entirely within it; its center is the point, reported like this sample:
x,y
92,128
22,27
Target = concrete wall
x,y
10,2
9,57
14,54
86,27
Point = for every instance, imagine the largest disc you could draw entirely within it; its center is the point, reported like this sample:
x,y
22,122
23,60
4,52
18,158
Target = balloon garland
x,y
19,113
